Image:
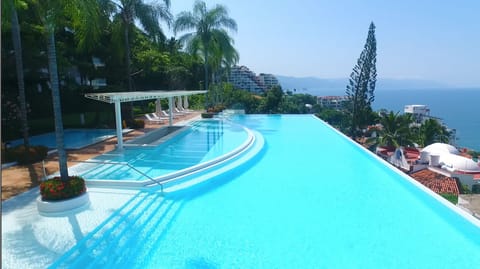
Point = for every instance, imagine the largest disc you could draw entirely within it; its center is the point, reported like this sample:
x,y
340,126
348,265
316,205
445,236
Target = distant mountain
x,y
306,84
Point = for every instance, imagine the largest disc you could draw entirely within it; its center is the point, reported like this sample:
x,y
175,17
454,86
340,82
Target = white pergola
x,y
119,97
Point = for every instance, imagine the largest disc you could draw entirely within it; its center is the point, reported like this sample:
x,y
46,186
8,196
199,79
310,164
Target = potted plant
x,y
55,189
58,195
212,111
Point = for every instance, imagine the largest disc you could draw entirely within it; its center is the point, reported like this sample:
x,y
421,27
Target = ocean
x,y
459,109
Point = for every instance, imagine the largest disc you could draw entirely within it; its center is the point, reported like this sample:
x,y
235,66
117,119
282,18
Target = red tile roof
x,y
436,182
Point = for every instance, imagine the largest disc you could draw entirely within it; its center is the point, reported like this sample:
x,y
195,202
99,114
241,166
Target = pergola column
x,y
170,109
118,124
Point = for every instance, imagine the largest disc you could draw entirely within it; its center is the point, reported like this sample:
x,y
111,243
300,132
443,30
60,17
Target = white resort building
x,y
242,78
332,102
268,80
419,112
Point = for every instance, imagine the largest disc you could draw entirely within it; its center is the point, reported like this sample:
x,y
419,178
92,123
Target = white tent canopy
x,y
119,97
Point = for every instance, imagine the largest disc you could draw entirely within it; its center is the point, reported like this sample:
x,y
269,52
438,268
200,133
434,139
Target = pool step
x,y
125,234
224,169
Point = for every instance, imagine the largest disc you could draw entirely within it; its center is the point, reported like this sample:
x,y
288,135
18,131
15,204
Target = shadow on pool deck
x,y
20,178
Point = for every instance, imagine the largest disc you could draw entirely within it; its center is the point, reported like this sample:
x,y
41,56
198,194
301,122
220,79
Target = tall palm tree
x,y
222,58
83,15
209,35
10,11
148,15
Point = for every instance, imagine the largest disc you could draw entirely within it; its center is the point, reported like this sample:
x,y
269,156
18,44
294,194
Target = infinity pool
x,y
310,199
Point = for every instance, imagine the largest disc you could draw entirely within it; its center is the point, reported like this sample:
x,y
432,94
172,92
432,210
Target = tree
x,y
10,8
336,118
432,131
273,99
83,15
148,15
395,130
223,56
361,88
210,35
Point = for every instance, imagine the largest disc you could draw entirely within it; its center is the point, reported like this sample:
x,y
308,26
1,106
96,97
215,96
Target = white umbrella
x,y
158,107
179,103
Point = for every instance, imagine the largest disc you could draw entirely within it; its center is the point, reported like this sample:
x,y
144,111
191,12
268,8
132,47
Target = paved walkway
x,y
20,178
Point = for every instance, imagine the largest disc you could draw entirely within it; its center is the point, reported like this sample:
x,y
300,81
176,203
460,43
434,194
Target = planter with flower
x,y
58,195
212,111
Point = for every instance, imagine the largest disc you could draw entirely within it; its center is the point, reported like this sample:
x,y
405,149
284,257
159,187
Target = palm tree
x,y
10,8
432,131
209,36
148,15
83,15
395,130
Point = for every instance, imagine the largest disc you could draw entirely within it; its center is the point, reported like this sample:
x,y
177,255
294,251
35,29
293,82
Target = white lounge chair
x,y
183,110
178,111
153,120
155,116
164,113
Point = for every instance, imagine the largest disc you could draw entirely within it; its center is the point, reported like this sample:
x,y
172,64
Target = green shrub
x,y
465,189
55,189
19,154
450,197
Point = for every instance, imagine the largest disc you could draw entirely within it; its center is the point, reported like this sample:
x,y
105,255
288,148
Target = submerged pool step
x,y
176,157
127,231
198,179
88,170
145,242
91,240
109,170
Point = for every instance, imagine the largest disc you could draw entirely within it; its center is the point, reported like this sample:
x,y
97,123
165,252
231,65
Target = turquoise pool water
x,y
73,138
204,141
311,199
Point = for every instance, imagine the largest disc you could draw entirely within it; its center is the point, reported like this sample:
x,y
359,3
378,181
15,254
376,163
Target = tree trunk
x,y
206,78
127,59
206,71
57,110
17,45
128,106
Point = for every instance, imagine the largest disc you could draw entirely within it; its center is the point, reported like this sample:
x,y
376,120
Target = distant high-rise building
x,y
242,78
268,80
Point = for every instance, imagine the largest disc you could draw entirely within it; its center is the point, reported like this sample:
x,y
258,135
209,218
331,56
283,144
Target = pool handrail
x,y
126,164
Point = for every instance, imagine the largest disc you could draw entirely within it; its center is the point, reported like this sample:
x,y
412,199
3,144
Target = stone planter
x,y
52,207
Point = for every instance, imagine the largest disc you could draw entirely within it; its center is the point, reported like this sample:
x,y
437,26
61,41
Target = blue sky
x,y
424,39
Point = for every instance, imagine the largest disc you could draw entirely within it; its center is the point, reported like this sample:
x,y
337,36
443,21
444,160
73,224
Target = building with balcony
x,y
268,80
243,78
332,102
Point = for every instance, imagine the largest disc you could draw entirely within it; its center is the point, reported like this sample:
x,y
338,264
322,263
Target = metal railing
x,y
121,163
